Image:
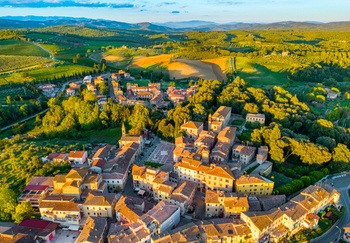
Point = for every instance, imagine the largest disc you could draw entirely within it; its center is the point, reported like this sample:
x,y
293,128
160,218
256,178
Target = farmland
x,y
10,63
20,48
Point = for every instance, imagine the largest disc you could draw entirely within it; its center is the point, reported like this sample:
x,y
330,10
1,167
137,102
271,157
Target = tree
x,y
251,108
23,210
341,153
103,88
139,119
8,202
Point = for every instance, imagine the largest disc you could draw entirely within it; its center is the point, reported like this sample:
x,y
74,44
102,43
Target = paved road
x,y
333,235
23,120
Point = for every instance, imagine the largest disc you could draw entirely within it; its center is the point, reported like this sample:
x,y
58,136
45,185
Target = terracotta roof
x,y
93,230
222,111
161,212
78,174
130,138
228,133
76,154
186,188
191,124
98,163
60,206
252,179
220,171
211,197
99,200
103,152
244,150
263,220
41,180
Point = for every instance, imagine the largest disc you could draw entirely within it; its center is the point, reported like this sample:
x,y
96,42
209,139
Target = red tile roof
x,y
35,188
35,223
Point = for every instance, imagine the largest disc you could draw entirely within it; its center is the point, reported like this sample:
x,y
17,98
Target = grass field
x,y
10,63
279,179
20,48
261,75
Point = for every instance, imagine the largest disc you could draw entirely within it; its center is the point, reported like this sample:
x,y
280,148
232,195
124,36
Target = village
x,y
144,189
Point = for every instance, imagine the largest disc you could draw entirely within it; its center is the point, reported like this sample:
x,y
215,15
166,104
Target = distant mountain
x,y
11,22
37,22
187,24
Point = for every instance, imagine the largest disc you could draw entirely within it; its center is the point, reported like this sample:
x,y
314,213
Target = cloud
x,y
61,3
175,12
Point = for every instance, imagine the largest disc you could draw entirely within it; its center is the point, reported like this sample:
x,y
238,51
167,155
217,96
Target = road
x,y
23,120
336,232
44,49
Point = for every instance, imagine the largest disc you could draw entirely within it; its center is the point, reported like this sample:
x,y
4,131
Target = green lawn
x,y
58,71
20,48
111,136
279,179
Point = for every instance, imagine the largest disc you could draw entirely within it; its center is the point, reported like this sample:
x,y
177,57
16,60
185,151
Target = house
x,y
184,142
97,165
253,184
262,154
133,232
192,129
30,230
60,209
128,209
99,205
57,157
331,94
103,153
42,181
74,86
220,204
264,169
70,92
206,177
206,140
346,234
162,217
213,230
183,195
255,118
87,79
125,140
115,171
148,178
219,119
78,157
77,181
94,230
243,153
33,194
227,135
265,224
220,153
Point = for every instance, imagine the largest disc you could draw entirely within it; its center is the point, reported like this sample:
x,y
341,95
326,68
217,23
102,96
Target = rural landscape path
x,y
44,49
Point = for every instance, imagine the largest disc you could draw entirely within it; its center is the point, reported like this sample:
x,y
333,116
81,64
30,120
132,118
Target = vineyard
x,y
9,63
20,48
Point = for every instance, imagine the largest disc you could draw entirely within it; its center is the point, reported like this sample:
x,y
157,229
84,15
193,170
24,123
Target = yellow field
x,y
146,62
182,68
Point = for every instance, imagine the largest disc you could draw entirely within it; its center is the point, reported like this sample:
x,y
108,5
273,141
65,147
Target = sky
x,y
220,11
